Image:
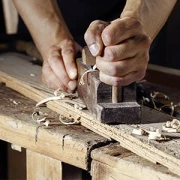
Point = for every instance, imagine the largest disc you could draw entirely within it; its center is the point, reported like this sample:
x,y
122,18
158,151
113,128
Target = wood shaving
x,y
56,92
81,81
68,121
32,75
43,119
159,94
53,98
139,131
152,135
171,126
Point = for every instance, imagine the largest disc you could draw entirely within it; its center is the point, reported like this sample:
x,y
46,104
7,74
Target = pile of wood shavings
x,y
152,135
169,127
45,120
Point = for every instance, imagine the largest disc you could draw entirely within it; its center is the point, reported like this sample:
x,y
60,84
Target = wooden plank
x,y
42,167
11,16
163,75
70,144
114,162
166,153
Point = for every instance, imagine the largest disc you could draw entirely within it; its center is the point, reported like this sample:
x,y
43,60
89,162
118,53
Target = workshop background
x,y
166,47
165,52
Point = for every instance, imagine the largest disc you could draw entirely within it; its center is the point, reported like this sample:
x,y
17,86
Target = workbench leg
x,y
102,171
44,168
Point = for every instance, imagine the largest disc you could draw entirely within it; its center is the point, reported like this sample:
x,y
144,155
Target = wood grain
x,y
114,162
70,144
161,152
42,167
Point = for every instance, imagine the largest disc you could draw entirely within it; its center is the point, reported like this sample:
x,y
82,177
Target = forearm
x,y
152,13
44,21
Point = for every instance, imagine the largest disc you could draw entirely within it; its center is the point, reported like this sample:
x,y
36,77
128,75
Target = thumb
x,y
93,37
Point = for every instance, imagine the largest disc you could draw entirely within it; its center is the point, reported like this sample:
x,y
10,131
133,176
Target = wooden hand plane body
x,y
98,96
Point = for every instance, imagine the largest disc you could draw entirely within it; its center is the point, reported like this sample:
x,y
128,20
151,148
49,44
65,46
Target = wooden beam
x,y
42,167
114,162
163,75
166,153
11,16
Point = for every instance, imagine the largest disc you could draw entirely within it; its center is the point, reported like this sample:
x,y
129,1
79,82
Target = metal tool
x,y
112,105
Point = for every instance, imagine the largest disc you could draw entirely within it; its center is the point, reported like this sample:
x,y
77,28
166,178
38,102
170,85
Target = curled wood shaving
x,y
146,99
44,120
171,106
139,131
155,135
159,94
67,121
152,135
81,81
171,126
53,98
36,115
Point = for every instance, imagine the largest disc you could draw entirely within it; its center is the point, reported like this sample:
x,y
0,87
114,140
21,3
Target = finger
x,y
49,78
119,52
120,30
118,68
57,65
123,80
123,67
68,56
93,37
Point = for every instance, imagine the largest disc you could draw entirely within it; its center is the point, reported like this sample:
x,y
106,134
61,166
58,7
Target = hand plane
x,y
111,105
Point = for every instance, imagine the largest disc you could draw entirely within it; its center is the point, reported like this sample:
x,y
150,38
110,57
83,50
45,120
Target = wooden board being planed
x,y
15,71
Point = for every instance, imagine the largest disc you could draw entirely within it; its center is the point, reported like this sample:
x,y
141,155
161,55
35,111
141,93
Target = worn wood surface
x,y
42,167
99,99
114,162
166,153
70,144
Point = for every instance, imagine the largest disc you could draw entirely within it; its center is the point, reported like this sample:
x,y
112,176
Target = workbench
x,y
65,151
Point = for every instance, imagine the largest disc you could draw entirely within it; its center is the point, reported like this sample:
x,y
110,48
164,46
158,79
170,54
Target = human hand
x,y
121,49
59,69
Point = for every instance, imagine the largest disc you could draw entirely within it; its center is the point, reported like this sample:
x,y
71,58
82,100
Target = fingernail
x,y
94,49
72,85
73,74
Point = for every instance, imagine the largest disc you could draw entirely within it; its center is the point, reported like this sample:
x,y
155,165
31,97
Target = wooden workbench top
x,y
70,144
18,78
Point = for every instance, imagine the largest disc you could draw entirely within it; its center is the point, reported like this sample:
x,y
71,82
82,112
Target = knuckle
x,y
68,42
68,51
53,48
132,23
135,23
110,54
95,23
107,36
53,59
